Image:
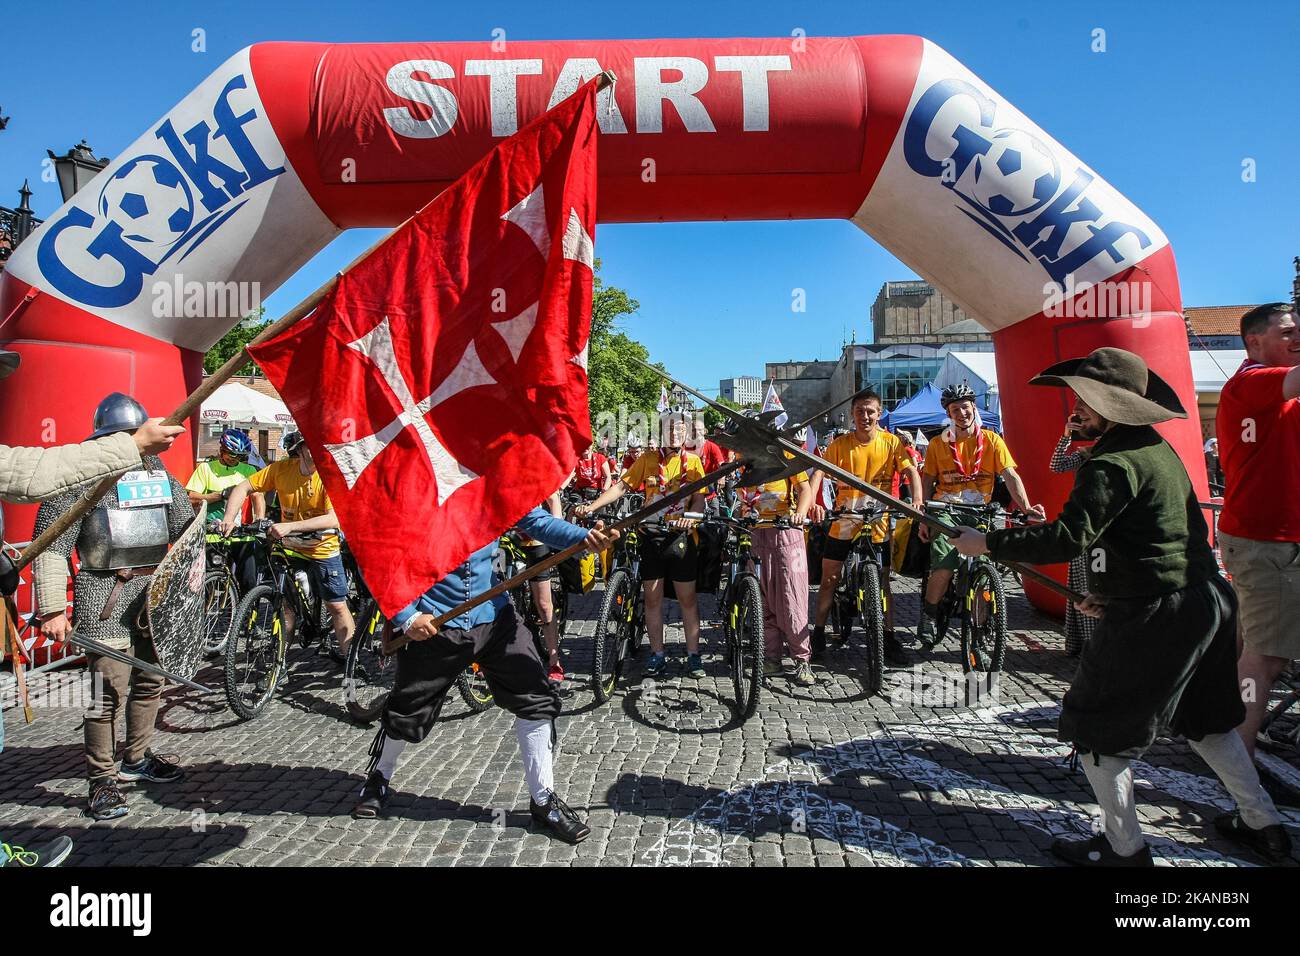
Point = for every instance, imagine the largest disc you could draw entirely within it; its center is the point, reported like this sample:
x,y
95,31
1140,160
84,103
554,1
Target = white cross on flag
x,y
442,384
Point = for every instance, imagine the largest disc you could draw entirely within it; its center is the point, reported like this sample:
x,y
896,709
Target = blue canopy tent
x,y
925,411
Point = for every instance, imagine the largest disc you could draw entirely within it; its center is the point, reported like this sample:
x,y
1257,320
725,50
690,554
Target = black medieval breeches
x,y
503,649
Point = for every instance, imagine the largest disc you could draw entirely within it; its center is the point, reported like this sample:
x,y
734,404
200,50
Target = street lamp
x,y
76,167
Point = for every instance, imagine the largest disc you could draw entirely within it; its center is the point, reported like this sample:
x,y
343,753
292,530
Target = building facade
x,y
743,390
803,387
915,312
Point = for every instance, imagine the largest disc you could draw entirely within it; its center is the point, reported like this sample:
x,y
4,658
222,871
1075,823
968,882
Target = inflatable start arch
x,y
286,144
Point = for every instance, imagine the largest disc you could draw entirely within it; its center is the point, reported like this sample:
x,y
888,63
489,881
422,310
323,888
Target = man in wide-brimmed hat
x,y
1163,658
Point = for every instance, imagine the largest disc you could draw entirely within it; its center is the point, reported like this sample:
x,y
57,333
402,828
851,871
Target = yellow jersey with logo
x,y
875,461
301,497
775,499
663,474
969,480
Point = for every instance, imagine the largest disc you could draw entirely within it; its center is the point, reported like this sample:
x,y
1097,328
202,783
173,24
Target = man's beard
x,y
1089,432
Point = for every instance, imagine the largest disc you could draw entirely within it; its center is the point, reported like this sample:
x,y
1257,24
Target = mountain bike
x,y
741,606
620,623
976,596
255,653
368,673
220,595
860,593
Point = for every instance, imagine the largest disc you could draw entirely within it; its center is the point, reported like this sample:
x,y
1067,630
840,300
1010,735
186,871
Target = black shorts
x,y
535,554
655,564
838,550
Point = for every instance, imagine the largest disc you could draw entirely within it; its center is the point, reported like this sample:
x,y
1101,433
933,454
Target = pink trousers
x,y
784,579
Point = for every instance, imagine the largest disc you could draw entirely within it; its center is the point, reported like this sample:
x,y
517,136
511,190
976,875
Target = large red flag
x,y
442,385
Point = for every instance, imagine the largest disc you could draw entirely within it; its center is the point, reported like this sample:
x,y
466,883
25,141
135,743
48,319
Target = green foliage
x,y
713,418
617,386
233,342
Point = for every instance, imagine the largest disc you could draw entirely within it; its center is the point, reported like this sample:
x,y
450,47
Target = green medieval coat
x,y
1163,657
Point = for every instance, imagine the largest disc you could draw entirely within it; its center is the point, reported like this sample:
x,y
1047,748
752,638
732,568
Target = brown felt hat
x,y
1117,385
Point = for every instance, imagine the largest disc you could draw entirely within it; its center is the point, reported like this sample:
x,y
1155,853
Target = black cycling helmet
x,y
118,413
957,393
291,441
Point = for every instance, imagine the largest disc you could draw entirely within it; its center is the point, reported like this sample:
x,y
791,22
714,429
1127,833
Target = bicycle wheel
x,y
614,626
369,673
220,601
984,623
474,689
745,645
869,599
844,606
254,652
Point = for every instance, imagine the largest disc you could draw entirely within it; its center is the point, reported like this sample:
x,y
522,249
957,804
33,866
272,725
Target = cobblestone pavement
x,y
823,776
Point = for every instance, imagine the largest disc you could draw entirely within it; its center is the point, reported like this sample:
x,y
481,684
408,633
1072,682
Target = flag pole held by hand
x,y
659,504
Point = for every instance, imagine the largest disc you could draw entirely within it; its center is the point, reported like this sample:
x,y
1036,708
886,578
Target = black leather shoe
x,y
1097,852
1273,843
818,644
374,797
558,817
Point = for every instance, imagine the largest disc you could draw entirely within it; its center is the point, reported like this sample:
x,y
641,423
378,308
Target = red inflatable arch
x,y
286,144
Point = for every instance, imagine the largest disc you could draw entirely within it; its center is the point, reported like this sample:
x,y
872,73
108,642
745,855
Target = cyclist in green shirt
x,y
212,482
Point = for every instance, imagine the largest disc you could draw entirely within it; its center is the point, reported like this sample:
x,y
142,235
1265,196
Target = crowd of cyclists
x,y
799,532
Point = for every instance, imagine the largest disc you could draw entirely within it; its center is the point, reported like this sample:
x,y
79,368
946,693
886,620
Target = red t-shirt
x,y
1258,503
588,473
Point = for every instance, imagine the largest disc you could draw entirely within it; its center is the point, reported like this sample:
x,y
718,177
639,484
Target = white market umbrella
x,y
236,404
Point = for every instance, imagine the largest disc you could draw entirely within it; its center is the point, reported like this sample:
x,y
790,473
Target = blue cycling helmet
x,y
236,442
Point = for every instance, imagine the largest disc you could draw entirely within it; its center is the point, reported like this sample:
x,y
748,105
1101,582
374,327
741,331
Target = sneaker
x,y
555,673
558,817
106,800
772,668
152,768
803,675
41,855
927,632
655,666
374,797
895,653
1097,852
1272,842
694,666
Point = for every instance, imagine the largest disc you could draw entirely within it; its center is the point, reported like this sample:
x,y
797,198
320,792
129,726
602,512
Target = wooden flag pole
x,y
218,378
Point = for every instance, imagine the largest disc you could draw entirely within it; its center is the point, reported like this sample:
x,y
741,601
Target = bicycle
x,y
975,595
861,592
368,672
220,596
620,623
741,605
256,653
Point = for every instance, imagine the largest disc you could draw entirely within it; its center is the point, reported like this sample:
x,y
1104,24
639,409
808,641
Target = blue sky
x,y
1183,94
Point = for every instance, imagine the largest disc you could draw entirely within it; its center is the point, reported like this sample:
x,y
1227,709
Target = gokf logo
x,y
156,207
1003,175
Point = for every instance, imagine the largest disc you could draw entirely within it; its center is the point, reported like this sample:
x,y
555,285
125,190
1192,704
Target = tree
x,y
714,418
233,342
619,390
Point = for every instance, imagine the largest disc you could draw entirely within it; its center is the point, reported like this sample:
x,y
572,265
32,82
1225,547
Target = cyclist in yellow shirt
x,y
662,471
875,456
960,467
304,506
